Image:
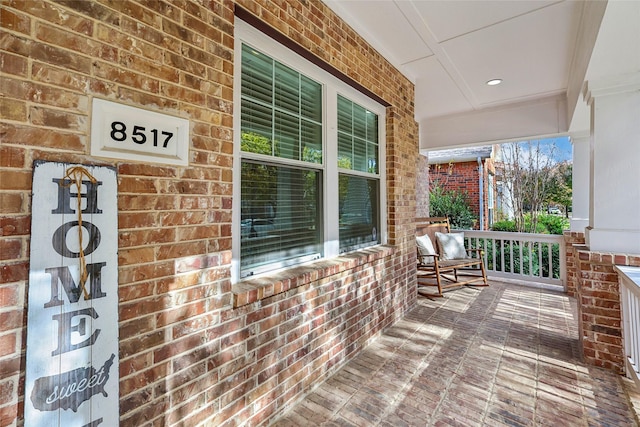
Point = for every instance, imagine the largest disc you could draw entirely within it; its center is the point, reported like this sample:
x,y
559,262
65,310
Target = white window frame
x,y
331,87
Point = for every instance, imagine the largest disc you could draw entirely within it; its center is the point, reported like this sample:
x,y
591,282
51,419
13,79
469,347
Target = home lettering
x,y
63,275
65,329
68,390
73,291
64,197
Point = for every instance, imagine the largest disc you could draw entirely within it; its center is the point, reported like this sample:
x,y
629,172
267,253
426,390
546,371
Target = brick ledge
x,y
613,258
252,290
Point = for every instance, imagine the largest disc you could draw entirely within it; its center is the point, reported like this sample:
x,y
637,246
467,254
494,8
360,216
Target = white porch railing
x,y
629,279
521,256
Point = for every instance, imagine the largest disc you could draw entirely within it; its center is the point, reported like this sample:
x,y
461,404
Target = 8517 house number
x,y
138,134
130,133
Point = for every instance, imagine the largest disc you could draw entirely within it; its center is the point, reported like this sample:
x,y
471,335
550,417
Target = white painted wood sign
x,y
72,325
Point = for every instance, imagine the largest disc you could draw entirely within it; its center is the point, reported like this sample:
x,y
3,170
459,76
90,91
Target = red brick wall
x,y
463,177
304,334
574,241
592,280
598,295
186,354
422,187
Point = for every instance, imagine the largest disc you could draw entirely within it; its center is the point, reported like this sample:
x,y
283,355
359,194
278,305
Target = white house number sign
x,y
130,133
72,325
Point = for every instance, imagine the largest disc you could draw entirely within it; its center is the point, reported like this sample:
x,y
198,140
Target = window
x,y
307,178
281,117
358,194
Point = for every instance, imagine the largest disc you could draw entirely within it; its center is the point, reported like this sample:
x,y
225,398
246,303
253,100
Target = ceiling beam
x,y
535,119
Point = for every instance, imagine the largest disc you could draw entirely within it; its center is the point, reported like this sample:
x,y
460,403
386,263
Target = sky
x,y
564,149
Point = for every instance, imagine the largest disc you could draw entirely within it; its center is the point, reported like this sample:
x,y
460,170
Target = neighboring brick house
x,y
470,171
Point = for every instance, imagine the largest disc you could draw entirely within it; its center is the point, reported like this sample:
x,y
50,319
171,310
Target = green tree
x,y
560,188
526,168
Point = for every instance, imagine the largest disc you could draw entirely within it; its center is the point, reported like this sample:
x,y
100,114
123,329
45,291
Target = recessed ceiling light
x,y
494,82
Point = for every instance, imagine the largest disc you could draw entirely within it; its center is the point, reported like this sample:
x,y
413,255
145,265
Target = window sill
x,y
252,290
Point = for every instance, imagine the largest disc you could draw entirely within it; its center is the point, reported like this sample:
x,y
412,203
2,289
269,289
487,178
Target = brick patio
x,y
507,355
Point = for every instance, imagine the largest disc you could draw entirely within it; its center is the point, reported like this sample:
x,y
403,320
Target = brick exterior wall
x,y
573,242
422,187
599,311
463,177
193,347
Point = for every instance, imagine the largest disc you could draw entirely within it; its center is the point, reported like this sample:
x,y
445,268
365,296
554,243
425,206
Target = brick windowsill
x,y
251,290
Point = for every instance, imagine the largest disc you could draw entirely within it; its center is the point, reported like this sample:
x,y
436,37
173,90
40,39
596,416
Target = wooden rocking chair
x,y
442,255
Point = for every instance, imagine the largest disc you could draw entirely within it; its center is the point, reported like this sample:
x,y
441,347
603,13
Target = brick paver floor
x,y
506,355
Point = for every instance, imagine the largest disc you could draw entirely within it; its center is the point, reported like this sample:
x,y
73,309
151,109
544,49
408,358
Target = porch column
x,y
580,192
614,174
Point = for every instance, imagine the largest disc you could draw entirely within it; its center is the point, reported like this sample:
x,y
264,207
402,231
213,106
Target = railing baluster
x,y
484,250
511,257
502,268
627,315
541,268
521,271
634,329
550,252
635,344
493,251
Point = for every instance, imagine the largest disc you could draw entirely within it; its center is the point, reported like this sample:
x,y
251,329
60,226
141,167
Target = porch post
x,y
614,197
580,194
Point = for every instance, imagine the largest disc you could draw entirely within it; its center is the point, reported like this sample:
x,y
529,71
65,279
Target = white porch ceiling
x,y
450,49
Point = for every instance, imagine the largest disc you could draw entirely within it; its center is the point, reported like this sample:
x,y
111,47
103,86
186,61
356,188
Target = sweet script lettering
x,y
69,389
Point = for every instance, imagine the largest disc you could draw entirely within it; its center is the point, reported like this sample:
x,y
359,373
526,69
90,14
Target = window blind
x,y
281,117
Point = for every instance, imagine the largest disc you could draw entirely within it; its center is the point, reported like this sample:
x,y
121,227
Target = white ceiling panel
x,y
531,53
385,27
435,91
450,48
449,19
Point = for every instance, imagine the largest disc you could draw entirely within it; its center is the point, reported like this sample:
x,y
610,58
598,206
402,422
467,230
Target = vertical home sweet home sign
x,y
72,325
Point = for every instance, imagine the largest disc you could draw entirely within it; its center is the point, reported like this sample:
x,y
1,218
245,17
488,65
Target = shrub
x,y
452,204
510,226
504,225
553,224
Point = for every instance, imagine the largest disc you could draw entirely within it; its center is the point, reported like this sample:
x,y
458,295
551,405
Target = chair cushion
x,y
451,245
425,246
